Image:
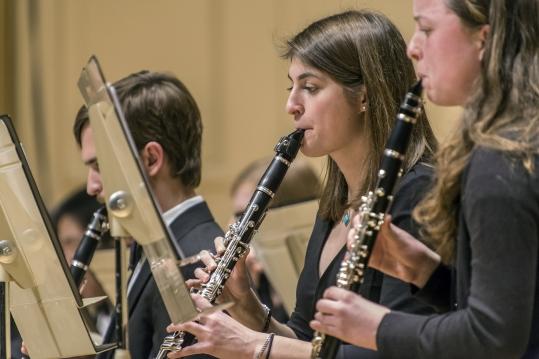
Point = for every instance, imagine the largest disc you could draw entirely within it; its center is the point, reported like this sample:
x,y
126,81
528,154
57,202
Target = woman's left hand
x,y
218,335
349,317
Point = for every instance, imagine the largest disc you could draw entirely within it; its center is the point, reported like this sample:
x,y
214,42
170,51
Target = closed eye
x,y
310,89
92,163
425,31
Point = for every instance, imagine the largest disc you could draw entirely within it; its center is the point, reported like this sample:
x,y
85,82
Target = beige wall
x,y
6,63
224,50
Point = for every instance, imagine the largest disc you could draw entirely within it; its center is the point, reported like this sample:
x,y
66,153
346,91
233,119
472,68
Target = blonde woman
x,y
482,215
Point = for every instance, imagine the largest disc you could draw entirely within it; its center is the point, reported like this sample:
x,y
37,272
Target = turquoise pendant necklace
x,y
346,218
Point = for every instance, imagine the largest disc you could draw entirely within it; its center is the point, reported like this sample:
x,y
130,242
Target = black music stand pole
x,y
119,235
5,336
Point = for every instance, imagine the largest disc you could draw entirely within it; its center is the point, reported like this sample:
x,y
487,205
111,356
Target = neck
x,y
351,161
169,196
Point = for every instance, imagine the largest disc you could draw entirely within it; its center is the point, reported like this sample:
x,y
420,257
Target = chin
x,y
311,152
443,99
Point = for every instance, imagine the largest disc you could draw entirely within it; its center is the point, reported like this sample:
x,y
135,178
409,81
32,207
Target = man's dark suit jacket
x,y
194,230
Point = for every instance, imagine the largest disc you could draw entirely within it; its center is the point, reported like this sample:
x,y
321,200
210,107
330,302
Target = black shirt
x,y
384,289
495,281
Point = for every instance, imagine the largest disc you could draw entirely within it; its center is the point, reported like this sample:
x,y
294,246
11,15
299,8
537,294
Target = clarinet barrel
x,y
88,244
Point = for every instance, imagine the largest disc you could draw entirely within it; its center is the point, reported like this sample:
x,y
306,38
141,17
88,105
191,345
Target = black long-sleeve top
x,y
391,292
494,285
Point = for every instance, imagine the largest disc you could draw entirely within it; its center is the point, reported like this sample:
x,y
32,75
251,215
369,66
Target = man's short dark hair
x,y
158,107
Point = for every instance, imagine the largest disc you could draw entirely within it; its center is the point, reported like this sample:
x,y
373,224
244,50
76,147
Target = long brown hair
x,y
362,50
502,114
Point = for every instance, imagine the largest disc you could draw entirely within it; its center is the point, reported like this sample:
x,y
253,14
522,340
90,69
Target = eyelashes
x,y
309,88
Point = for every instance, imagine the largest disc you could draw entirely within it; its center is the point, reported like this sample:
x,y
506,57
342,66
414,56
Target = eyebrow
x,y
424,18
305,75
91,161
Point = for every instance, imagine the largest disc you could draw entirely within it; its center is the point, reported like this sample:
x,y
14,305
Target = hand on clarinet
x,y
237,288
398,254
348,316
218,335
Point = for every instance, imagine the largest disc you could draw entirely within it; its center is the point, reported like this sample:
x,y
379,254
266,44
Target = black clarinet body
x,y
240,233
88,244
372,211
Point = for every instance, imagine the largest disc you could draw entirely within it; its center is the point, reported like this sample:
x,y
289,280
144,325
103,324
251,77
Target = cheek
x,y
311,148
452,76
343,124
314,143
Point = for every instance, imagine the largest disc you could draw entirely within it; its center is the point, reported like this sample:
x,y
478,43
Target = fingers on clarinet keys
x,y
204,256
194,285
202,274
219,245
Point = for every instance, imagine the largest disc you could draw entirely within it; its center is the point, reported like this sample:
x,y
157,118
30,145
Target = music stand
x,y
130,202
42,296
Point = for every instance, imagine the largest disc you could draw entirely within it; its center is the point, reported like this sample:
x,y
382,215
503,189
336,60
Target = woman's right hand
x,y
237,287
399,254
217,334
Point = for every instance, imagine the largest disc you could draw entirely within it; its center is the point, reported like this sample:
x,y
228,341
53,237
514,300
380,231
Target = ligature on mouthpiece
x,y
288,146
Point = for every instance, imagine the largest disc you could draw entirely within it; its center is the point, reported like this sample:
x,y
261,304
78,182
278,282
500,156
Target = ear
x,y
482,35
153,158
362,102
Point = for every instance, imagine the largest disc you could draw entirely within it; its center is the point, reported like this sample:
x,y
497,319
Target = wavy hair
x,y
502,113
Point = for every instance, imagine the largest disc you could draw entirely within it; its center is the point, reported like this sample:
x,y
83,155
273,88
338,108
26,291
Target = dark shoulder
x,y
321,224
421,171
414,184
411,188
318,235
491,172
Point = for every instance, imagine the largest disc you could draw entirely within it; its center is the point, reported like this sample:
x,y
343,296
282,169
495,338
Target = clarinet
x,y
241,232
372,211
88,244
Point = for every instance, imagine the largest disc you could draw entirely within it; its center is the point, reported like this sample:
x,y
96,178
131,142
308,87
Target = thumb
x,y
240,268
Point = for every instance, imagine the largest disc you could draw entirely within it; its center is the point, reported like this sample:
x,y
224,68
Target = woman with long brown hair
x,y
482,215
348,72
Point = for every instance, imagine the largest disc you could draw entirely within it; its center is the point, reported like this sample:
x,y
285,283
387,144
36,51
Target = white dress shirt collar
x,y
173,213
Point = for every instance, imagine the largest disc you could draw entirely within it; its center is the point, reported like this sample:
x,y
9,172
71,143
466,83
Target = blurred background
x,y
225,51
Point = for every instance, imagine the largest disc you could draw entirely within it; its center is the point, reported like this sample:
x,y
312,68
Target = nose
x,y
413,51
293,105
94,187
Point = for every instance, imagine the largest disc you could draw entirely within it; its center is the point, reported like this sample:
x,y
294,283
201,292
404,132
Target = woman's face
x,y
69,233
448,54
319,106
241,197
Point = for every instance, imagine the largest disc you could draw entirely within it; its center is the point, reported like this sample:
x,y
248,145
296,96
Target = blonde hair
x,y
503,113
